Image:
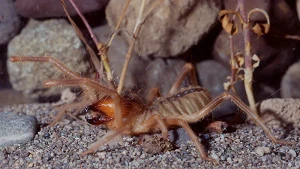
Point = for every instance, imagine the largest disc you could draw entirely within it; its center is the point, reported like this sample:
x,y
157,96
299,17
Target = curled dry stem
x,y
227,23
260,29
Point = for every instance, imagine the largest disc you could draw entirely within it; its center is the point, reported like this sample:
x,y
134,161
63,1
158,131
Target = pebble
x,y
292,152
229,159
16,129
262,150
215,156
101,154
222,138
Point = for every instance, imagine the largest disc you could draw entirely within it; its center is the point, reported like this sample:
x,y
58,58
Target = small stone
x,y
229,159
101,154
292,152
215,156
30,165
222,138
239,160
16,129
262,150
143,156
217,139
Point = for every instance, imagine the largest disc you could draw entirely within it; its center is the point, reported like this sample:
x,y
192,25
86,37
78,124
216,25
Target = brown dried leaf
x,y
238,60
261,29
227,24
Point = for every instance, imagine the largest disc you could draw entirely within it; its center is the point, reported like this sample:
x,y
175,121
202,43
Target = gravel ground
x,y
59,147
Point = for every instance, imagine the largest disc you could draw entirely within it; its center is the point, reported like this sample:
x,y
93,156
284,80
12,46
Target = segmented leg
x,y
194,138
226,96
93,147
188,69
154,92
47,59
157,119
154,119
93,84
64,108
58,65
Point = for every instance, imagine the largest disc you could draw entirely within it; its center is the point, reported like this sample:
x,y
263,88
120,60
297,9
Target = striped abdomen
x,y
185,102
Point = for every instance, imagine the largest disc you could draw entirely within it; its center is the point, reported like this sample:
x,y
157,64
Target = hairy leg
x,y
106,138
187,70
228,96
64,108
157,119
193,137
47,59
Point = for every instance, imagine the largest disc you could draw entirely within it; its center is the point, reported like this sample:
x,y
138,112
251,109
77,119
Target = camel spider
x,y
124,114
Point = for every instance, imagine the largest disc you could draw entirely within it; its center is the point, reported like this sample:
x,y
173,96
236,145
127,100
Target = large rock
x,y
9,20
290,84
45,8
280,112
171,29
49,38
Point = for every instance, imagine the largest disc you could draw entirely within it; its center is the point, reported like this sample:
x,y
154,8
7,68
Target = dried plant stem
x,y
131,46
233,68
137,28
248,76
102,53
87,25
